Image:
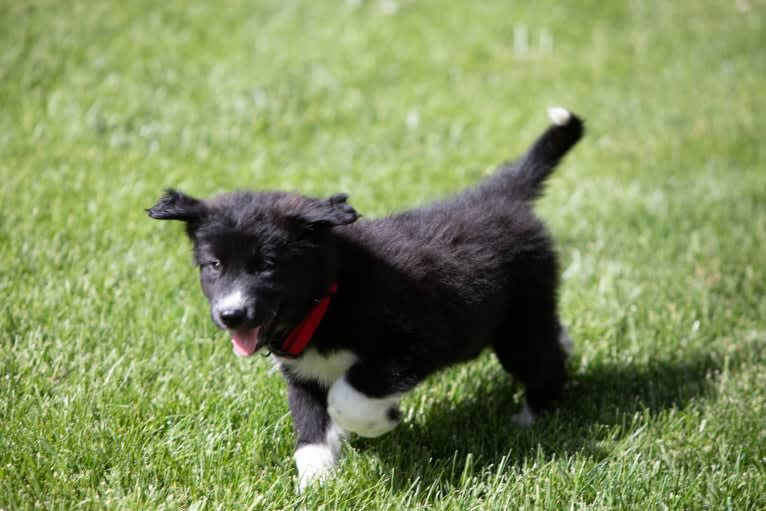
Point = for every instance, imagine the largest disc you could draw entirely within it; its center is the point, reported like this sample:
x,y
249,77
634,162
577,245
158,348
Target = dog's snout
x,y
233,318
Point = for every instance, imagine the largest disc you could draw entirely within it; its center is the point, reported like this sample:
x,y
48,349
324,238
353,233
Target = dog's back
x,y
465,266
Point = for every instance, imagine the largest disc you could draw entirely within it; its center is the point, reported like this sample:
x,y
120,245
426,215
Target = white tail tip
x,y
559,116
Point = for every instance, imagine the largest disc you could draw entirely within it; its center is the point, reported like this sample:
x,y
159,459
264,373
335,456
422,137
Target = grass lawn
x,y
116,391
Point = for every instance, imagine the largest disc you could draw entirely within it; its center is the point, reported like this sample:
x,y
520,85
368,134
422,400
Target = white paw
x,y
316,461
355,412
525,418
565,341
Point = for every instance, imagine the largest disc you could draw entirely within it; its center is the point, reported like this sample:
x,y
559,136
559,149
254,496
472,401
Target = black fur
x,y
418,291
308,408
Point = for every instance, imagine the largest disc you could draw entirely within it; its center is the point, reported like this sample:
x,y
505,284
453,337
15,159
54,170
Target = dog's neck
x,y
300,336
323,291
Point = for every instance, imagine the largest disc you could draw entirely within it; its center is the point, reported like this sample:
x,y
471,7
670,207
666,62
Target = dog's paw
x,y
565,341
357,413
525,418
314,462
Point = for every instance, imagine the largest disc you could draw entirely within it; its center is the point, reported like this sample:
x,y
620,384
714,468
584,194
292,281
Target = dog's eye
x,y
213,265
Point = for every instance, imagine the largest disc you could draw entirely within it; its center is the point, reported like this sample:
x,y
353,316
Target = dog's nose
x,y
232,318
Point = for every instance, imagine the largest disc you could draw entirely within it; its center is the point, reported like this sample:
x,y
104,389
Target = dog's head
x,y
264,258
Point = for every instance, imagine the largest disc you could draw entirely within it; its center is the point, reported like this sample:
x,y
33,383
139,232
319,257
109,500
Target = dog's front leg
x,y
366,399
318,439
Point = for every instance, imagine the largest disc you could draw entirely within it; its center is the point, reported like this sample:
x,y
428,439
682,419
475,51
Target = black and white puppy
x,y
356,313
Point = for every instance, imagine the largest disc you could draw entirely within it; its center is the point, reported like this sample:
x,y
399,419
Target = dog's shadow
x,y
477,432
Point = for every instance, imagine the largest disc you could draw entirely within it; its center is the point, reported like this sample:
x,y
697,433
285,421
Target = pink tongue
x,y
245,341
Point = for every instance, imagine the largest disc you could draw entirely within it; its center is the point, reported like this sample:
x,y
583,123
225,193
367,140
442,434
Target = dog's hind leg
x,y
534,350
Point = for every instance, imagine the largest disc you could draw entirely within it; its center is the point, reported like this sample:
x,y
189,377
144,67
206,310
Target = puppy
x,y
356,313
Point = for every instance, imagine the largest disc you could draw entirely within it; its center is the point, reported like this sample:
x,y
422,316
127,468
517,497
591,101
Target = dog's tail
x,y
524,178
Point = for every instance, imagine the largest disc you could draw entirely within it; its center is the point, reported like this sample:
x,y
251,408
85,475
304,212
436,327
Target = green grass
x,y
116,391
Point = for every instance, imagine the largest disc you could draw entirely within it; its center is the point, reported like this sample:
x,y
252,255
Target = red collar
x,y
301,335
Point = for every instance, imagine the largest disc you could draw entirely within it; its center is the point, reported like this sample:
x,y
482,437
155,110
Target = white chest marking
x,y
313,366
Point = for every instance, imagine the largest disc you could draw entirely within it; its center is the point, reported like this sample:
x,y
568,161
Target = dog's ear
x,y
175,205
331,211
310,213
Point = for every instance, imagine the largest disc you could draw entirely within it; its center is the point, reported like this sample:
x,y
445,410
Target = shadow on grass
x,y
602,402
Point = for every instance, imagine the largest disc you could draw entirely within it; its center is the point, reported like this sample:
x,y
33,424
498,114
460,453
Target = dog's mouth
x,y
245,342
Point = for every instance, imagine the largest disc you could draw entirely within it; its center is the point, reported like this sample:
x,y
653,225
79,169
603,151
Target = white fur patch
x,y
355,412
313,366
559,116
234,300
316,461
565,341
525,417
334,437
